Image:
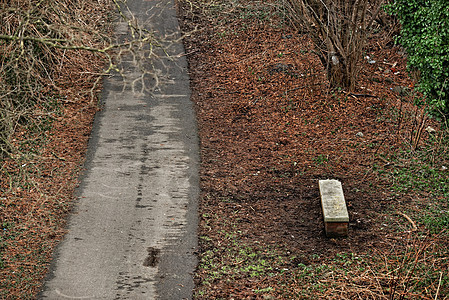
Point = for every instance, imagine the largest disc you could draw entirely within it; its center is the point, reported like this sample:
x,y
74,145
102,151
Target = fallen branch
x,y
362,95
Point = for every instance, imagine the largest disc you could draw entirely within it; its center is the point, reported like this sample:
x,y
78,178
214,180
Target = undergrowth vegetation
x,y
50,67
423,172
425,36
37,42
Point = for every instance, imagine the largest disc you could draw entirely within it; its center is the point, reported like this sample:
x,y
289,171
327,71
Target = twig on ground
x,y
363,95
408,219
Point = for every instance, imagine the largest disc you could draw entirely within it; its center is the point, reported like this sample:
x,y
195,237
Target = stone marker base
x,y
336,229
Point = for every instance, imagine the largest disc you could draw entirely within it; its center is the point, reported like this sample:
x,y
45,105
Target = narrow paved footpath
x,y
132,234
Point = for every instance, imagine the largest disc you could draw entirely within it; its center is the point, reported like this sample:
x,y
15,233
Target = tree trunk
x,y
338,74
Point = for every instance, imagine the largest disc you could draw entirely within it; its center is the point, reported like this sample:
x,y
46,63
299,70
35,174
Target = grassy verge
x,y
424,173
416,271
235,259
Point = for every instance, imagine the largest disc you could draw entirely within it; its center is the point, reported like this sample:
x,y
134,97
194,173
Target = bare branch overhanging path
x,y
132,234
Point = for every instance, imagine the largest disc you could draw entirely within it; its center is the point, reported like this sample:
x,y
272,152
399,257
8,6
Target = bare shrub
x,y
339,30
44,47
35,36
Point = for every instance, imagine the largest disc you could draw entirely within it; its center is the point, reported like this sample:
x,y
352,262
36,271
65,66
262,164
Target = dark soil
x,y
270,128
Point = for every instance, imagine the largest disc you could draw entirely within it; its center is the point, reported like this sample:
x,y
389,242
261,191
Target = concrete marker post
x,y
336,218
